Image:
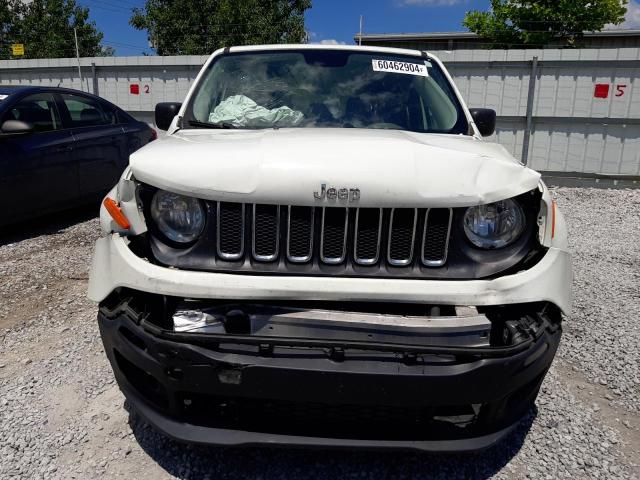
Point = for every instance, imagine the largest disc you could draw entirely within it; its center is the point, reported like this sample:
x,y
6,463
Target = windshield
x,y
325,88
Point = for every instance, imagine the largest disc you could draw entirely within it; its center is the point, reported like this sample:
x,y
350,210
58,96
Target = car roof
x,y
316,46
15,89
8,89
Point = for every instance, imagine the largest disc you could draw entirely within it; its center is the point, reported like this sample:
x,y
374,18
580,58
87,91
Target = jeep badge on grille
x,y
332,193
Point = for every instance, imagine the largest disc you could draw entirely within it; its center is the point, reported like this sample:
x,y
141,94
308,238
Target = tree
x,y
9,17
185,27
106,52
45,27
540,22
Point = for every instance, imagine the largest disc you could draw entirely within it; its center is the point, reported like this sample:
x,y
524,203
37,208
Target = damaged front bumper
x,y
116,266
268,374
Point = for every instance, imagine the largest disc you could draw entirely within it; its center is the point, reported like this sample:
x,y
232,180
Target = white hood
x,y
392,168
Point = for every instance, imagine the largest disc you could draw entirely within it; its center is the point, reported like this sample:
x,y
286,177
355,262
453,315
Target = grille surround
x,y
404,260
254,247
226,255
370,260
439,262
333,259
300,258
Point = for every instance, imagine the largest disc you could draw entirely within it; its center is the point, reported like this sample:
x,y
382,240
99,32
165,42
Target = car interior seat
x,y
34,114
90,116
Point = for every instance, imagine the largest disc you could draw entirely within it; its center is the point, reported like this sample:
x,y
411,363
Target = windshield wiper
x,y
196,123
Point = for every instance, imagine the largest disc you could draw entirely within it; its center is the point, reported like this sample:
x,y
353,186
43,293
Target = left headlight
x,y
179,218
494,225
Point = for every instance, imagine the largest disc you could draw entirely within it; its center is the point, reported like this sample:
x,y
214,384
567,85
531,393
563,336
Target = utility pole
x,y
360,36
75,34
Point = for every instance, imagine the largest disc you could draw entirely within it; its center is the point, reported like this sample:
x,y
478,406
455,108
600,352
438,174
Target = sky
x,y
328,21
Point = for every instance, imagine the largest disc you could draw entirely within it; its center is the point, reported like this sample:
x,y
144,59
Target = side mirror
x,y
165,112
16,127
485,120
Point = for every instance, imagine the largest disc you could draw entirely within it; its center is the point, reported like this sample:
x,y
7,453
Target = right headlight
x,y
494,225
179,218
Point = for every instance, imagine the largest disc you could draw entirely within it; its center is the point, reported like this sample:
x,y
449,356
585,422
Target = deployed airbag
x,y
241,111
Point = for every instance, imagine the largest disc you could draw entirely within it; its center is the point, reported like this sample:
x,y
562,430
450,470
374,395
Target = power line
x,y
120,44
139,4
106,9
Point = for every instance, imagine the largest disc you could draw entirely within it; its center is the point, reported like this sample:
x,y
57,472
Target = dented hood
x,y
391,168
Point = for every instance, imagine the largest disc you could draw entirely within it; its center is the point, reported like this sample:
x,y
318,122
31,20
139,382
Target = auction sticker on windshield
x,y
394,66
2,97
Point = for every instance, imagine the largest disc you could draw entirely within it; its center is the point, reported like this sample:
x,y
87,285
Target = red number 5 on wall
x,y
602,90
620,90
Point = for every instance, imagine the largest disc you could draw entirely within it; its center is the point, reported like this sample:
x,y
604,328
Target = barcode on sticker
x,y
400,67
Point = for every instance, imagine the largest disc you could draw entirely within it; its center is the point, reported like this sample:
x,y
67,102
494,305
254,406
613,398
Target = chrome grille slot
x,y
300,234
230,229
368,232
265,232
333,235
435,237
402,230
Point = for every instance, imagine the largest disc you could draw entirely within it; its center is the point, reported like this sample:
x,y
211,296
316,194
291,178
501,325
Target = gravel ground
x,y
62,416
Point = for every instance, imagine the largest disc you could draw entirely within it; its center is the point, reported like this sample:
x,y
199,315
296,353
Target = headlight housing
x,y
494,225
179,218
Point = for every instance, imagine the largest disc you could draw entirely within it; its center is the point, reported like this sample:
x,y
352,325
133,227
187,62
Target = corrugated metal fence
x,y
559,110
578,110
135,84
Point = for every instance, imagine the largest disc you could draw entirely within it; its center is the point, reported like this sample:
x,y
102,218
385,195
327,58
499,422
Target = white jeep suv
x,y
324,251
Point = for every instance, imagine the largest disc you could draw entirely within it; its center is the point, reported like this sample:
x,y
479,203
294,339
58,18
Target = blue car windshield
x,y
326,88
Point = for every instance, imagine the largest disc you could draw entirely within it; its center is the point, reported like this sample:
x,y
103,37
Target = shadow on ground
x,y
192,461
50,224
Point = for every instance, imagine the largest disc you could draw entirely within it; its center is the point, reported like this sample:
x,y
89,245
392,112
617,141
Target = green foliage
x,y
8,19
45,27
185,27
540,22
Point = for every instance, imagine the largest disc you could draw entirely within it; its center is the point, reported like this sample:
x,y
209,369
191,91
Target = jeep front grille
x,y
399,237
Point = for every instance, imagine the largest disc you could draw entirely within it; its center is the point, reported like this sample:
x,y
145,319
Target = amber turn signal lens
x,y
116,213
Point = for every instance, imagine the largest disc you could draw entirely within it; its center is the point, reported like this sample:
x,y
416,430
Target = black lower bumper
x,y
228,392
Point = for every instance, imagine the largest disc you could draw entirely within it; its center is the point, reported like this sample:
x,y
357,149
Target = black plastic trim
x,y
464,260
196,434
160,373
210,339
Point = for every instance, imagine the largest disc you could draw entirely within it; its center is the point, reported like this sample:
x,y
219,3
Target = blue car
x,y
61,148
